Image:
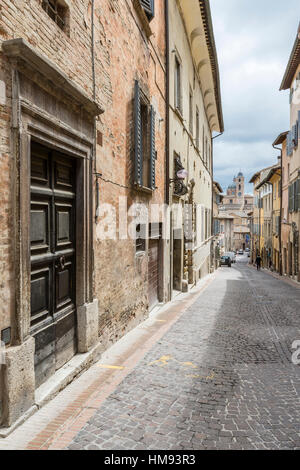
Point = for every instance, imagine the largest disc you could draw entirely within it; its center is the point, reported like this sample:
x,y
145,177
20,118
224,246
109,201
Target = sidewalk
x,y
55,425
288,280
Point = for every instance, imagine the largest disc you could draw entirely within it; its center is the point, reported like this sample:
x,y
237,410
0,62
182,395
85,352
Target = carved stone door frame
x,y
49,108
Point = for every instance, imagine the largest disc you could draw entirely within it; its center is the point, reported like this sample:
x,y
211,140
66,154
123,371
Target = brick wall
x,y
122,54
121,276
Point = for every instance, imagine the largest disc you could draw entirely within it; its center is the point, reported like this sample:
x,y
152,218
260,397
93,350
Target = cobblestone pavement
x,y
221,378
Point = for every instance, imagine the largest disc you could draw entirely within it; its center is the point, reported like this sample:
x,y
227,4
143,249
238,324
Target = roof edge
x,y
211,45
281,138
292,64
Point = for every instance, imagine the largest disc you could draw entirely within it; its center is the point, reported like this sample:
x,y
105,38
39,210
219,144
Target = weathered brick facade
x,y
127,47
127,55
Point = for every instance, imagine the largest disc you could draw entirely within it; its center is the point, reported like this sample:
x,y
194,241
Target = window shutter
x,y
138,136
148,6
298,196
152,148
295,136
295,190
289,144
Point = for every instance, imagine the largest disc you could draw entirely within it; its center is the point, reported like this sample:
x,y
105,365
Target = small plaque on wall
x,y
6,335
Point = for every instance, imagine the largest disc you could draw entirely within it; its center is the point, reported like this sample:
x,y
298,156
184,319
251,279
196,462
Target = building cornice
x,y
211,45
26,57
281,138
292,65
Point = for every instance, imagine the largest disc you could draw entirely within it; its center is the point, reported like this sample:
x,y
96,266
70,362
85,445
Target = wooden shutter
x,y
138,148
289,144
152,148
295,189
297,208
295,136
148,6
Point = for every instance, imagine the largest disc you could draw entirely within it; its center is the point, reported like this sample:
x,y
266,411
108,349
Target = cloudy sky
x,y
254,40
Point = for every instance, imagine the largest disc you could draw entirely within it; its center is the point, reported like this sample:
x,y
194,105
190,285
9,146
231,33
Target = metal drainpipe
x,y
93,76
167,166
167,187
280,216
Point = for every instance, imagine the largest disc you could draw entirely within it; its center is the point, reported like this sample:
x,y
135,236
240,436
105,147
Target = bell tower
x,y
240,185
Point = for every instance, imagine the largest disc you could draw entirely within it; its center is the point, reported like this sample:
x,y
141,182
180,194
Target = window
x,y
58,11
231,201
294,196
191,111
206,148
177,85
197,128
140,240
144,140
148,7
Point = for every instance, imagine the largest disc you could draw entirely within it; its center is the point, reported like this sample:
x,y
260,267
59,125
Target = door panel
x,y
53,244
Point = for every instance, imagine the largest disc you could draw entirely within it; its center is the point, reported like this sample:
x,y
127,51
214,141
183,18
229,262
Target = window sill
x,y
143,189
143,18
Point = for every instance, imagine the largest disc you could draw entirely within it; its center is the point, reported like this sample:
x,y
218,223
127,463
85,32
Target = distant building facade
x,y
235,197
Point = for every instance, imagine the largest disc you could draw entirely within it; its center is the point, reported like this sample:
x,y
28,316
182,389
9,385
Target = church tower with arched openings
x,y
239,182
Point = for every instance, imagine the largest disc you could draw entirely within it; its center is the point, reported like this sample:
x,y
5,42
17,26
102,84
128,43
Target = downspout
x,y
167,169
93,165
93,76
167,164
281,208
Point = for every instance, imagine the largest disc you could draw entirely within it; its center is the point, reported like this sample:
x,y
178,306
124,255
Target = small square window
x,y
140,241
58,12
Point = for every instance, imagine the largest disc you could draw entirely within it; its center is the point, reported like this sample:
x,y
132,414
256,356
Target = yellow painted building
x,y
274,178
261,221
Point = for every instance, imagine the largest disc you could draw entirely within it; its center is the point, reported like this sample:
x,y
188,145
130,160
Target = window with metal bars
x,y
57,12
140,240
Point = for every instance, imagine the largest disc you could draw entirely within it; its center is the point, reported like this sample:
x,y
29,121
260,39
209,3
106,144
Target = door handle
x,y
61,263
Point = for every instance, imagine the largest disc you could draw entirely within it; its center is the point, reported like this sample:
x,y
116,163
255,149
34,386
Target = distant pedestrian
x,y
258,262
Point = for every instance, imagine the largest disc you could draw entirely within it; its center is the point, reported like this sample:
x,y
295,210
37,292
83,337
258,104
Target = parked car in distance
x,y
225,261
231,255
240,252
247,249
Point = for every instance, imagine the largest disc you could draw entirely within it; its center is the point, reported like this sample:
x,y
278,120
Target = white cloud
x,y
254,40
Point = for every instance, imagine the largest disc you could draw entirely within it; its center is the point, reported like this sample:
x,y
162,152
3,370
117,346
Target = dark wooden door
x,y
52,230
153,272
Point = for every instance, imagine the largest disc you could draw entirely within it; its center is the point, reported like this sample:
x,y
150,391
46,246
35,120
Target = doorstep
x,y
56,383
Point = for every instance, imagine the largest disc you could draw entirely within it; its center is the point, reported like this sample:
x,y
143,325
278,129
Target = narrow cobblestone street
x,y
221,377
